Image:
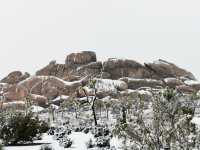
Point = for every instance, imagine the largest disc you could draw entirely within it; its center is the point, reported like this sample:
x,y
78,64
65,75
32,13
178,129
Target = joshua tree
x,y
91,100
168,127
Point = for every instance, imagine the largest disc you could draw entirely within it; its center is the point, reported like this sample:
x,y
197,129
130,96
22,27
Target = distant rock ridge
x,y
112,75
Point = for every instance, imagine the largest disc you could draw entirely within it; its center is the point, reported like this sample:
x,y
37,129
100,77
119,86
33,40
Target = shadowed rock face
x,y
163,69
137,83
81,58
118,68
15,77
76,64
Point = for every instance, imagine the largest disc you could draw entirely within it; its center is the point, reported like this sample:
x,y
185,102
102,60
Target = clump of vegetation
x,y
46,147
90,144
21,128
1,147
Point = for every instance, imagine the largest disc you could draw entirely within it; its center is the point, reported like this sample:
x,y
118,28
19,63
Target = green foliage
x,y
187,110
20,128
1,147
169,94
92,83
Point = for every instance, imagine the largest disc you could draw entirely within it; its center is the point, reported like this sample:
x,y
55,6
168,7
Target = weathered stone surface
x,y
15,93
118,68
185,89
50,86
194,84
163,69
93,68
54,69
15,77
19,105
81,58
173,82
39,100
138,83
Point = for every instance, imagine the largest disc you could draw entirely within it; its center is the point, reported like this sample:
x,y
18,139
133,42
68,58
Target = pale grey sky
x,y
34,32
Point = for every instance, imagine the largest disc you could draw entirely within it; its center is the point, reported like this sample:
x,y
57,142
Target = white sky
x,y
34,32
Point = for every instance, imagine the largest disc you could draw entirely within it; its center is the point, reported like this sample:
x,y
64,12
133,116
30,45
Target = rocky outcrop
x,y
54,69
81,58
173,82
50,86
76,65
39,100
15,93
93,68
162,69
117,68
185,89
194,84
134,83
112,77
15,77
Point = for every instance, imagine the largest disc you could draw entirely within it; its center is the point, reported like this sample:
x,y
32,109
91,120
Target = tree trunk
x,y
94,114
107,111
123,114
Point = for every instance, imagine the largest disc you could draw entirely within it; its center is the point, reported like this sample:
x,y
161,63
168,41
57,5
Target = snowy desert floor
x,y
79,142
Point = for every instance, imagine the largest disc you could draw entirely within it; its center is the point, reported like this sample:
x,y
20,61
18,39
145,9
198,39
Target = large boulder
x,y
50,86
117,68
173,82
162,69
15,77
194,84
39,100
81,58
185,89
93,68
54,69
15,93
134,83
108,87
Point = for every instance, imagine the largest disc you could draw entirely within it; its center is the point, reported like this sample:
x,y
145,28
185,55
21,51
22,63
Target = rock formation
x,y
112,76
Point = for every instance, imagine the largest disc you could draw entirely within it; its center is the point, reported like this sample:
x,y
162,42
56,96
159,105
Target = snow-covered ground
x,y
79,142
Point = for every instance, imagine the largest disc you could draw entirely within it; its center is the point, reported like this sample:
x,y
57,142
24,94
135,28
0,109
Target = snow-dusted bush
x,y
20,128
44,127
51,131
101,131
66,142
103,141
86,130
90,144
46,147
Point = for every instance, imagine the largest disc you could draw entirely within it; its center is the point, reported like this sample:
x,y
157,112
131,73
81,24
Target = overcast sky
x,y
34,32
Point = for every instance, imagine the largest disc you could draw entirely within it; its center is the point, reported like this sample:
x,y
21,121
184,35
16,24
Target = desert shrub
x,y
103,142
46,147
66,142
20,129
86,130
1,147
90,144
44,127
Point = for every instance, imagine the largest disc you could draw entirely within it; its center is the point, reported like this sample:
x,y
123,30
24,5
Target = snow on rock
x,y
134,83
173,82
55,107
196,120
108,85
193,83
15,104
36,109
